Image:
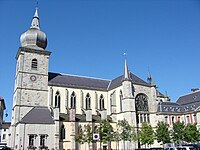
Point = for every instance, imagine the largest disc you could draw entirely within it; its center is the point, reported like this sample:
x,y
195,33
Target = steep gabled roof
x,y
38,115
189,98
77,81
6,125
118,81
73,81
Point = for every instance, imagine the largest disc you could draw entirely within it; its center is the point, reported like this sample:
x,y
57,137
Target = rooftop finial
x,y
37,4
125,55
34,37
35,21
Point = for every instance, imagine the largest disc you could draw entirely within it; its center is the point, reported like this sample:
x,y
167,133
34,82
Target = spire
x,y
150,79
126,71
35,21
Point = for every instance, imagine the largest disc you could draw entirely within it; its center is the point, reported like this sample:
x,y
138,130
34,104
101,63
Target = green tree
x,y
134,135
177,132
79,136
162,133
191,134
124,130
146,134
106,132
88,134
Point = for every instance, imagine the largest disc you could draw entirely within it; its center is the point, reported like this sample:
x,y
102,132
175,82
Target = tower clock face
x,y
33,78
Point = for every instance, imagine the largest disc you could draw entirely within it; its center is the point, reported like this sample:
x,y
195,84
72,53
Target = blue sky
x,y
89,37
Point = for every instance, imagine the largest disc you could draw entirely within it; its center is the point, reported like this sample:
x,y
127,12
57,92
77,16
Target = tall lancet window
x,y
62,132
73,100
57,100
120,97
101,103
34,64
88,101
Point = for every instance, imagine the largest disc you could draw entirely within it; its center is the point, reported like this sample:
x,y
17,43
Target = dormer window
x,y
34,64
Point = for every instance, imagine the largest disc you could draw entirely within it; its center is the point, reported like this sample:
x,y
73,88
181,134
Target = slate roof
x,y
38,115
6,125
169,107
77,81
160,94
189,98
184,104
118,81
64,80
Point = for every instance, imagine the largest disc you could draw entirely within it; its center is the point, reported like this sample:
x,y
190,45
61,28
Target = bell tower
x,y
31,79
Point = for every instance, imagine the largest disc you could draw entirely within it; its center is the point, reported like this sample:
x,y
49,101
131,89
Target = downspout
x,y
24,135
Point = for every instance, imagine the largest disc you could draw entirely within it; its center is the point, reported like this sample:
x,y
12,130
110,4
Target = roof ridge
x,y
189,93
85,76
109,85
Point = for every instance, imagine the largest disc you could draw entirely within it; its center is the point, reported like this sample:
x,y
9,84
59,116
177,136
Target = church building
x,y
48,106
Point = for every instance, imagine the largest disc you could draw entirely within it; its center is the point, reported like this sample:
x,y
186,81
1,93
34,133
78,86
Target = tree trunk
x,y
118,144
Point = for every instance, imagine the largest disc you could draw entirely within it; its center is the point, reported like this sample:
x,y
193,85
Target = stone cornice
x,y
31,50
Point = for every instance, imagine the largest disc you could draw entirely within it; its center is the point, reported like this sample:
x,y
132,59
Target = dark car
x,y
6,148
196,146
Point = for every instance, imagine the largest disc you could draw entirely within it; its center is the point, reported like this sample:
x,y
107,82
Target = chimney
x,y
194,89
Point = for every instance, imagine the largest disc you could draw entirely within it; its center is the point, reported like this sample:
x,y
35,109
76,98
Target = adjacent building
x,y
5,134
2,108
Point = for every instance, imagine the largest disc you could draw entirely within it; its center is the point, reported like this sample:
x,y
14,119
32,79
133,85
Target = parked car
x,y
189,147
175,148
183,147
192,146
6,148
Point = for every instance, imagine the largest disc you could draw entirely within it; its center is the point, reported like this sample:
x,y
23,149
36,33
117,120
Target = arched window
x,y
34,64
141,102
120,97
62,132
73,100
113,102
57,100
101,103
87,101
